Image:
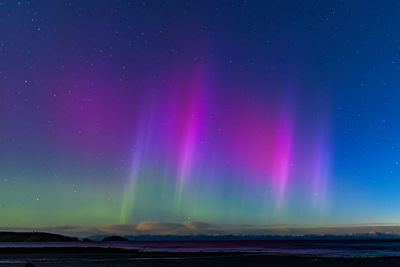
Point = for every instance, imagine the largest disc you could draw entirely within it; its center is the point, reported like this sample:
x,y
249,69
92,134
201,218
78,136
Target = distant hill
x,y
115,238
47,237
34,237
99,238
360,236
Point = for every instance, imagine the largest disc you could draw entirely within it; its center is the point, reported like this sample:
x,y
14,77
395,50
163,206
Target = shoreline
x,y
92,256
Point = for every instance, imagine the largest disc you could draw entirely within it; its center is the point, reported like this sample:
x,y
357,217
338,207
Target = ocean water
x,y
320,248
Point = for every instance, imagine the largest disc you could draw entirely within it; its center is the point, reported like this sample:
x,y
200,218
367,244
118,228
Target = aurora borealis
x,y
222,112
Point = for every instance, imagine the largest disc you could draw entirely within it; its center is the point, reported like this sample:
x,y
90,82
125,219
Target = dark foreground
x,y
119,257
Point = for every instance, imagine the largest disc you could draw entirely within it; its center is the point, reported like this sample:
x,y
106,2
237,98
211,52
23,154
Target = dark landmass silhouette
x,y
34,237
115,238
104,254
358,236
49,237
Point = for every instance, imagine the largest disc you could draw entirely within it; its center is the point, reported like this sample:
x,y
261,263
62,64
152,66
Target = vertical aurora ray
x,y
141,146
320,158
282,154
128,112
129,194
190,138
251,146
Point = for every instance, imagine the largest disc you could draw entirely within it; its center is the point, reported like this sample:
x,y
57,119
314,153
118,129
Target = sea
x,y
307,248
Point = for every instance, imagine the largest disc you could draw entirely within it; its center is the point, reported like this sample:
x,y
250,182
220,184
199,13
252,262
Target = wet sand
x,y
119,257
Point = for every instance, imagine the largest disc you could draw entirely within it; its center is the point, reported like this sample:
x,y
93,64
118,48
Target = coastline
x,y
93,256
121,257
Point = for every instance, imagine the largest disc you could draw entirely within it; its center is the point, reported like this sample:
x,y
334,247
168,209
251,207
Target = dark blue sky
x,y
130,111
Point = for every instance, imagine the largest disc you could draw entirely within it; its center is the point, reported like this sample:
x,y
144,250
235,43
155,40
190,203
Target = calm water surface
x,y
324,248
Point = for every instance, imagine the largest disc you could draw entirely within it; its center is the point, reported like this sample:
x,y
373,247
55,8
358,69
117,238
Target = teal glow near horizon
x,y
228,113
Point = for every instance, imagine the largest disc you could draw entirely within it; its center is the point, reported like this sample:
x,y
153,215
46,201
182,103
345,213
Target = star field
x,y
227,112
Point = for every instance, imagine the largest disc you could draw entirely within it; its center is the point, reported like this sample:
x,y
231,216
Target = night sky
x,y
220,112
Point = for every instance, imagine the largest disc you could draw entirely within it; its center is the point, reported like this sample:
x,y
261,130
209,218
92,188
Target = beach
x,y
95,256
115,257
